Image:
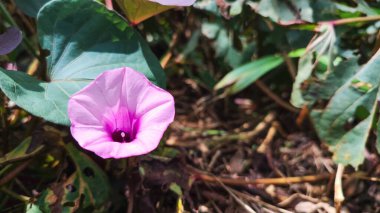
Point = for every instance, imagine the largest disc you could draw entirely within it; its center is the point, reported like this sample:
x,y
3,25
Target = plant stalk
x,y
352,20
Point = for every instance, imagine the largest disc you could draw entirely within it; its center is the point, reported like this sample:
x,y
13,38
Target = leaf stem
x,y
351,20
21,198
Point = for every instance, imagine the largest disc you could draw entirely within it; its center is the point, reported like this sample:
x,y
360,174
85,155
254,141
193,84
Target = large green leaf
x,y
84,39
139,10
346,121
87,187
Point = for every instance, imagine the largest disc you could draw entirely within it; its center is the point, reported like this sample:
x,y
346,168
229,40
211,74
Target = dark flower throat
x,y
121,136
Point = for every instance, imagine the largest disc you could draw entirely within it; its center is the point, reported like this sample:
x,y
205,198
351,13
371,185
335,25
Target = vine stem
x,y
21,198
351,20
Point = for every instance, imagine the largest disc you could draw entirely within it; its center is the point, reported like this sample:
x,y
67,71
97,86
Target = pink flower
x,y
9,40
175,2
120,114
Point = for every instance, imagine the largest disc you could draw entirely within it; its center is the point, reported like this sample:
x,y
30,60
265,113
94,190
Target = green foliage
x,y
346,121
21,152
32,208
86,188
75,59
245,75
321,49
282,11
211,46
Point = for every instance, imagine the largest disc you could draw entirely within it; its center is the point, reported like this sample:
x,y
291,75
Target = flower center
x,y
121,136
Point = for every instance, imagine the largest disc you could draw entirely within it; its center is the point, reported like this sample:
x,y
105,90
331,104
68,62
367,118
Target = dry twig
x,y
267,140
260,202
275,97
15,172
244,181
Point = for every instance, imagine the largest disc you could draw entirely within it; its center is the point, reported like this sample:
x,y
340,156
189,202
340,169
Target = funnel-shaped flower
x,y
9,40
175,2
120,114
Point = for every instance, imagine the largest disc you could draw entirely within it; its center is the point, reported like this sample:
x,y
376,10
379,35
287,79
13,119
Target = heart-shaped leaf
x,y
67,29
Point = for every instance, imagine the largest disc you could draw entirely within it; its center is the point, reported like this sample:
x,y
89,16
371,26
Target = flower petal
x,y
89,135
97,103
9,40
111,149
174,2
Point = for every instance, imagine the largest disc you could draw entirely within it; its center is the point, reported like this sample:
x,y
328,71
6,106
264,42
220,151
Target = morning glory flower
x,y
175,2
120,114
9,40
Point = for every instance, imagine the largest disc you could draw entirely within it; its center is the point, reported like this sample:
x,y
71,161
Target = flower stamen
x,y
121,136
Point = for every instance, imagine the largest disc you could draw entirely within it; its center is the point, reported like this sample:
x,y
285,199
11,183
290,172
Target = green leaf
x,y
286,11
21,152
47,100
362,7
297,53
87,187
366,9
209,6
236,7
140,10
320,49
176,189
243,76
32,208
30,7
344,125
323,90
84,39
